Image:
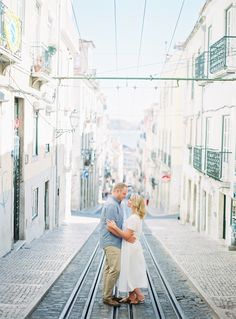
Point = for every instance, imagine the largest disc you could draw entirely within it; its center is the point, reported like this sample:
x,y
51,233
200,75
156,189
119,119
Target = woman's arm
x,y
128,234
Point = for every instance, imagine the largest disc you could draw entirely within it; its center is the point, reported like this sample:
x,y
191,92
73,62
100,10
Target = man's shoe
x,y
118,299
111,302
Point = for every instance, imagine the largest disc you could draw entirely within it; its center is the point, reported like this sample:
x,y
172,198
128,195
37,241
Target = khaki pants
x,y
111,270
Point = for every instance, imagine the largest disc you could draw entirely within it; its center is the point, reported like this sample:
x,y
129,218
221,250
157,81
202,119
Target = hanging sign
x,y
166,178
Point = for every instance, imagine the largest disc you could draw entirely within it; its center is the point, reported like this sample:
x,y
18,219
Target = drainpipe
x,y
57,185
200,177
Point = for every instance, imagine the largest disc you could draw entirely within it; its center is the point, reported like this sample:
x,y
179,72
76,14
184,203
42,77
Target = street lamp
x,y
74,122
74,119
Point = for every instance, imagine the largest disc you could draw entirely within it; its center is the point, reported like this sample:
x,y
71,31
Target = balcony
x,y
41,64
197,158
211,162
201,66
10,37
217,165
223,55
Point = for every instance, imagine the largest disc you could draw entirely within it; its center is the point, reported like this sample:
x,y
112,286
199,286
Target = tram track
x,y
151,305
157,305
76,294
85,299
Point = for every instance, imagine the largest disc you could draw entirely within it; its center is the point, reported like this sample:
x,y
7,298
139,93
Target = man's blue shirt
x,y
111,210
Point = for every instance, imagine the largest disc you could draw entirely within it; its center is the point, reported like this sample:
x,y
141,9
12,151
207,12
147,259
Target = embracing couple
x,y
125,264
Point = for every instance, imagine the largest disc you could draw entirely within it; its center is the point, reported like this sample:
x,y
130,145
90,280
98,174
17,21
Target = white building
x,y
88,139
27,169
209,175
38,116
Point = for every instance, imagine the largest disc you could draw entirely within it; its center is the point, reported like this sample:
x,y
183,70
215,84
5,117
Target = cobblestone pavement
x,y
26,274
206,262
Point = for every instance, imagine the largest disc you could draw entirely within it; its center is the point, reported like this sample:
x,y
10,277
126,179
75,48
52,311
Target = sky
x,y
131,43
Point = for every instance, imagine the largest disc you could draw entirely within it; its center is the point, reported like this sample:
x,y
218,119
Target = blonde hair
x,y
119,186
139,203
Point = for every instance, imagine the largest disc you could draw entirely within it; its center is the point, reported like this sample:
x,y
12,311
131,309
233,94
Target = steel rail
x,y
93,291
154,298
175,304
71,300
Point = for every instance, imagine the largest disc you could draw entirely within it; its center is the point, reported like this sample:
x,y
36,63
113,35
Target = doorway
x,y
224,217
17,167
46,205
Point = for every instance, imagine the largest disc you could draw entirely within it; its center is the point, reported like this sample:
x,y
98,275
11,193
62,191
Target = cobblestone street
x,y
207,263
26,274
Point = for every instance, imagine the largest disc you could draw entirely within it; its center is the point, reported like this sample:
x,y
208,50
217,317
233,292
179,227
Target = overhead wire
x,y
77,26
115,25
176,25
173,35
141,36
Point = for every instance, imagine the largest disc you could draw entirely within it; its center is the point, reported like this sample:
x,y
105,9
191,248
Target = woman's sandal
x,y
137,301
125,300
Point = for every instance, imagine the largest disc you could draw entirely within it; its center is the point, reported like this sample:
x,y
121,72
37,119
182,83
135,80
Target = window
x,y
50,29
35,134
208,132
229,21
21,13
209,43
225,137
197,132
193,74
37,22
184,185
35,203
207,138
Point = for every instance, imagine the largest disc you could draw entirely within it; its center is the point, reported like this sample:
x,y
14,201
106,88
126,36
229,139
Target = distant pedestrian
x,y
147,197
111,242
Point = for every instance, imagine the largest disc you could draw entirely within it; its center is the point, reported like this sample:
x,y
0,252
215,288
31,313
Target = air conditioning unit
x,y
37,106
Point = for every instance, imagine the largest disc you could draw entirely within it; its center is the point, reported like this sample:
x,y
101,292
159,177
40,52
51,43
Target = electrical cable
x,y
173,34
141,36
115,21
77,26
176,25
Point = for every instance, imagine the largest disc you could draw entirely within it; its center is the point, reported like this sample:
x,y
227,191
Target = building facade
x,y
208,181
39,117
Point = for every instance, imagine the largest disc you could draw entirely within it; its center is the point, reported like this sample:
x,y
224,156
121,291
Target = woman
x,y
133,269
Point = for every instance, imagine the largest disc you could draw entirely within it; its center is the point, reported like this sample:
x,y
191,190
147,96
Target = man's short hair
x,y
119,186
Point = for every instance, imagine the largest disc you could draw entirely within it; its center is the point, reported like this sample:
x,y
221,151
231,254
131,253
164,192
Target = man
x,y
111,242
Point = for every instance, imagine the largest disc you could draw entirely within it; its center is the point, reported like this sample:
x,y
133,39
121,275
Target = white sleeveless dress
x,y
133,267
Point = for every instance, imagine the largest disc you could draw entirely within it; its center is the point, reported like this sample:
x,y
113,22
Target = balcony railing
x,y
217,164
201,66
223,54
212,163
42,59
197,158
10,32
